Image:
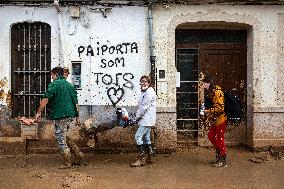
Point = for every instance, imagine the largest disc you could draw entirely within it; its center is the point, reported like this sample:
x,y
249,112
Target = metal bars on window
x,y
30,66
187,94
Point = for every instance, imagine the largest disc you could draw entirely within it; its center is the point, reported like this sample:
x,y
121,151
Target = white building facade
x,y
109,46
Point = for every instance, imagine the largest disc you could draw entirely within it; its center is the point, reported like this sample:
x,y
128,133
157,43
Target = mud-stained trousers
x,y
64,139
216,135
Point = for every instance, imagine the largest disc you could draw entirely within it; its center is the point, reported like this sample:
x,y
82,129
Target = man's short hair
x,y
57,71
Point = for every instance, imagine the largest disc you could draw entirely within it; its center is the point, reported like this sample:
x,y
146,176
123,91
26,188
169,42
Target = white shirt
x,y
146,113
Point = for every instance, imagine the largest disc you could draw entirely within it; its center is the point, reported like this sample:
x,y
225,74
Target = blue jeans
x,y
143,135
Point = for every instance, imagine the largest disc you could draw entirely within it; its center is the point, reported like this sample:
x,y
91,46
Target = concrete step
x,y
12,145
186,143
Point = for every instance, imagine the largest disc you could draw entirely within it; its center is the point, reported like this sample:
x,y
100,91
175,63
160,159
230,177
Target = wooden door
x,y
220,53
227,64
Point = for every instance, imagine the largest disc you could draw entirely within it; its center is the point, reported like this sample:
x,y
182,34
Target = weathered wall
x,y
125,28
108,48
280,53
113,52
263,89
268,127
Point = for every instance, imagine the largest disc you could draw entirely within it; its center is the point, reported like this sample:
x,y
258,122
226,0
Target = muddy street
x,y
185,169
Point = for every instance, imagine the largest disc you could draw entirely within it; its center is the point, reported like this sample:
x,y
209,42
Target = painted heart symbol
x,y
115,95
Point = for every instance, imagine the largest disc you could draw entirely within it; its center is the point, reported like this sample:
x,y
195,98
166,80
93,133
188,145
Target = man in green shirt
x,y
62,97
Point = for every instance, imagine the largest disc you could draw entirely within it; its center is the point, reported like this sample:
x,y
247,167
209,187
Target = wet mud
x,y
187,168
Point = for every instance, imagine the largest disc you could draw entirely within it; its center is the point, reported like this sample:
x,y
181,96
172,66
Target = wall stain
x,y
5,96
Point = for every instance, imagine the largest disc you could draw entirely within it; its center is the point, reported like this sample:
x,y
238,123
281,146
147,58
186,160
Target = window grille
x,y
187,94
30,67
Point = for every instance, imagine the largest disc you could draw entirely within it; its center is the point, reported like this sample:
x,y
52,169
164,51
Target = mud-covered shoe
x,y
141,157
150,159
217,157
67,162
78,160
76,151
221,163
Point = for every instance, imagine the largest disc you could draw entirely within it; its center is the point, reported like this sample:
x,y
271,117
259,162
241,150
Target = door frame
x,y
202,136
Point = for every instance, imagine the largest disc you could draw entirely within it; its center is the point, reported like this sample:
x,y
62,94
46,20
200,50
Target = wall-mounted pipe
x,y
151,44
60,41
56,5
150,24
62,58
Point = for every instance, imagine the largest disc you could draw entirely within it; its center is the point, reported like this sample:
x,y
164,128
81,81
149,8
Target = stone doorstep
x,y
12,139
29,131
17,145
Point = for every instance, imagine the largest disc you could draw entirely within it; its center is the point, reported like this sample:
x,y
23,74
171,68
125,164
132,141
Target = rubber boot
x,y
221,163
150,154
141,157
217,157
78,160
67,162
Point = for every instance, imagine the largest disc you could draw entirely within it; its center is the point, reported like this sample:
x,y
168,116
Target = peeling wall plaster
x,y
5,93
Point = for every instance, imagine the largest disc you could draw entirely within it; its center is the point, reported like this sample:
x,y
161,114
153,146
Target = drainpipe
x,y
152,57
60,36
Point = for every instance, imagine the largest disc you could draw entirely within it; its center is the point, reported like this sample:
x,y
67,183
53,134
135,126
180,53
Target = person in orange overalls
x,y
216,113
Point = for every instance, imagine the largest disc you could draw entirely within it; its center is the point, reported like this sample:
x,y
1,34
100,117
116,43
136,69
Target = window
x,y
30,67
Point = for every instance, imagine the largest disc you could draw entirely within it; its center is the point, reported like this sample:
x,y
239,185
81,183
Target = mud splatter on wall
x,y
5,93
8,127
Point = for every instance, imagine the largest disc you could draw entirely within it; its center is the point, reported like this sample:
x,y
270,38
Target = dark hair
x,y
57,71
148,78
209,79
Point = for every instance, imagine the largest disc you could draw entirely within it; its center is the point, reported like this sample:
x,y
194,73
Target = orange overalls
x,y
216,133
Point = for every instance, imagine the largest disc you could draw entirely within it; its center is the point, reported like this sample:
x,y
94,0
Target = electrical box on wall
x,y
76,74
162,82
162,74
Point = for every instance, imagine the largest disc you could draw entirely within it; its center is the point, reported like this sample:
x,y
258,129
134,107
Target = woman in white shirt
x,y
146,119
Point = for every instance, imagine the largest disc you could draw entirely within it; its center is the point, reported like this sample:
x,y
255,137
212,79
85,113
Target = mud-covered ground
x,y
185,169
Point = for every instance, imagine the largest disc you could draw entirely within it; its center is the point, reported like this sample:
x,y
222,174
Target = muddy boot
x,y
221,163
67,162
78,160
150,155
217,157
141,157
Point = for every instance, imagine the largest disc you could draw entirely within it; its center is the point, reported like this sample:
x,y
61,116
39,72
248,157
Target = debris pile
x,y
269,154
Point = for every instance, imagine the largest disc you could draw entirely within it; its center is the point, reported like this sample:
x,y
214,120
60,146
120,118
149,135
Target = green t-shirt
x,y
62,97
